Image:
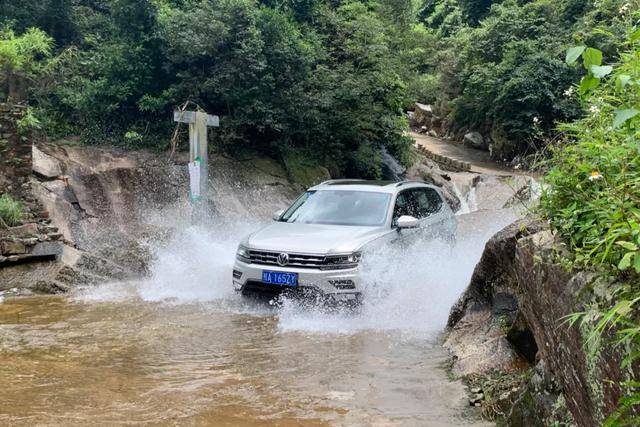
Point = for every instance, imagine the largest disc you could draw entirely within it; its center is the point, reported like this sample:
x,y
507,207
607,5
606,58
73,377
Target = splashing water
x,y
410,288
467,202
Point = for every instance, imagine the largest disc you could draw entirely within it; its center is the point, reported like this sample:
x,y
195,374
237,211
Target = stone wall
x,y
35,239
15,149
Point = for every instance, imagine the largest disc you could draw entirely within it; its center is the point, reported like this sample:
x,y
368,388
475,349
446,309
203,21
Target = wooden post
x,y
198,150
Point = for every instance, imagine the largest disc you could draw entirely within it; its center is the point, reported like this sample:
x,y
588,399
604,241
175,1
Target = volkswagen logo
x,y
283,259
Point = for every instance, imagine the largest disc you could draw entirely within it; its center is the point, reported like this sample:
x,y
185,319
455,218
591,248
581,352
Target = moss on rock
x,y
304,170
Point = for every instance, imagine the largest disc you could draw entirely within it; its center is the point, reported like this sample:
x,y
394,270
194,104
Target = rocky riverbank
x,y
92,214
510,339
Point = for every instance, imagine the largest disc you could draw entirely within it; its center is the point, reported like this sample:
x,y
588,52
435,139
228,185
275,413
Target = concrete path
x,y
480,160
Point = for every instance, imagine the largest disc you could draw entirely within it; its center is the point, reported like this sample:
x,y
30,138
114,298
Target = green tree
x,y
21,59
475,10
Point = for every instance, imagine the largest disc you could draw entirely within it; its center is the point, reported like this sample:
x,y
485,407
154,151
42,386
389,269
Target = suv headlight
x,y
341,262
243,254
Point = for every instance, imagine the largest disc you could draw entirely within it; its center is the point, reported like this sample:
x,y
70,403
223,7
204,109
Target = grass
x,y
11,210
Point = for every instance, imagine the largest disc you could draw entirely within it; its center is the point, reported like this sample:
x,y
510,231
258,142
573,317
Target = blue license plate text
x,y
280,278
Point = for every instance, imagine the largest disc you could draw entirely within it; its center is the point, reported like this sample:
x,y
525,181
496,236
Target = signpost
x,y
198,155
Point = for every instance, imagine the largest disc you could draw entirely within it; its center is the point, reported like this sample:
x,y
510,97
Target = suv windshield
x,y
364,208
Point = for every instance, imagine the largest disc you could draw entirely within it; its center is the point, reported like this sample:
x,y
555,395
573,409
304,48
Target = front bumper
x,y
341,285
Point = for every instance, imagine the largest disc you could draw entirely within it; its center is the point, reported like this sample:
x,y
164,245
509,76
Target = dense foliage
x,y
593,199
321,77
500,69
325,77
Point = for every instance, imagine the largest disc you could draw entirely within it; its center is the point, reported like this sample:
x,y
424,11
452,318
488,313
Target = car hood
x,y
312,238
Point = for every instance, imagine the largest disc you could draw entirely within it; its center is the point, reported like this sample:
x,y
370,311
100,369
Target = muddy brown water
x,y
114,355
73,363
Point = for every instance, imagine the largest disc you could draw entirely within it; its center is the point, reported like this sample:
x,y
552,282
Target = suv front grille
x,y
299,260
295,260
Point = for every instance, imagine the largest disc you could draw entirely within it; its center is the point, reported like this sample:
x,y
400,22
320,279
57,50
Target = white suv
x,y
316,245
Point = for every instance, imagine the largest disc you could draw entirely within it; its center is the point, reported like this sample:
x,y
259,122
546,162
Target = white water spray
x,y
410,289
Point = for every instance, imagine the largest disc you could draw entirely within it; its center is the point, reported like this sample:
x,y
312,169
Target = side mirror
x,y
277,214
407,221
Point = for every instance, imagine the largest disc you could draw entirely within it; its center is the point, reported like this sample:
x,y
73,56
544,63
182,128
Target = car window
x,y
339,207
401,207
428,201
416,202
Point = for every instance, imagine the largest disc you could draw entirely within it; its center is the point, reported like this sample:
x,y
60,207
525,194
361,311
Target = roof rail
x,y
401,183
334,181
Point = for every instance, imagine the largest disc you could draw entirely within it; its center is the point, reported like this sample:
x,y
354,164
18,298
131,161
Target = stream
x,y
180,348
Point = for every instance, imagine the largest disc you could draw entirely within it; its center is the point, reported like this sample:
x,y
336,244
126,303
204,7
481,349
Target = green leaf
x,y
600,71
621,116
587,83
591,57
573,54
622,81
635,36
628,245
636,262
625,262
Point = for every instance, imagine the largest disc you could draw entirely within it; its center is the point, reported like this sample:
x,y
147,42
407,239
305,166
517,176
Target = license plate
x,y
280,278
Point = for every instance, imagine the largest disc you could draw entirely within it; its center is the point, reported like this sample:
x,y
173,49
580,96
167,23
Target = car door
x,y
424,204
430,211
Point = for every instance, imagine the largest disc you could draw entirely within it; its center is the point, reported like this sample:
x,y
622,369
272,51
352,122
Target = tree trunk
x,y
17,87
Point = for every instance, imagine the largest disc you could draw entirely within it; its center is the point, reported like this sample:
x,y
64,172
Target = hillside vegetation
x,y
331,78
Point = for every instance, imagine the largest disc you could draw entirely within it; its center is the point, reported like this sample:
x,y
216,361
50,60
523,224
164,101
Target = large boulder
x,y
476,140
422,114
513,311
44,164
548,293
478,321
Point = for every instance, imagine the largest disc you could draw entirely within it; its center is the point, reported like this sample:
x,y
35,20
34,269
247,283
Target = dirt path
x,y
480,160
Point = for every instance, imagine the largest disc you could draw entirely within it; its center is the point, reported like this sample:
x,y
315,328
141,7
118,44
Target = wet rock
x,y
518,296
69,268
505,191
93,208
49,287
45,165
9,247
47,249
26,230
478,345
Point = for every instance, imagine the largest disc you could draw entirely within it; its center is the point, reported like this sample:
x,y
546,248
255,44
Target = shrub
x,y
593,202
593,198
11,210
